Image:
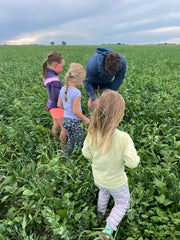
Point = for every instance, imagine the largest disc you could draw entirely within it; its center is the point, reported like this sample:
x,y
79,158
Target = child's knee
x,y
124,206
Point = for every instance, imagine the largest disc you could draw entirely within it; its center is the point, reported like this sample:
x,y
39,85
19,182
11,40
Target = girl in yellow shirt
x,y
110,150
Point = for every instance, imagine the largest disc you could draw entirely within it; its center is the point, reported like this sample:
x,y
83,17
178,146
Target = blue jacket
x,y
95,72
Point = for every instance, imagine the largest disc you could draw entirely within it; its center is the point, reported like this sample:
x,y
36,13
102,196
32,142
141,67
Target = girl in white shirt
x,y
110,150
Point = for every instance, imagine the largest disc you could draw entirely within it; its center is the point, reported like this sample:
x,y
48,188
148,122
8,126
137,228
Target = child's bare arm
x,y
77,112
59,103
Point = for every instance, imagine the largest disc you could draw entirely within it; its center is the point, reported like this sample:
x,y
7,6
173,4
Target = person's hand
x,y
90,104
95,102
87,121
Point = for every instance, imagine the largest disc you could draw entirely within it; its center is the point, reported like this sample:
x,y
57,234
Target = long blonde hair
x,y
52,57
75,73
105,119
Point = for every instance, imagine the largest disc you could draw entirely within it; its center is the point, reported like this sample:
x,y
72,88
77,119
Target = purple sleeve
x,y
55,88
60,83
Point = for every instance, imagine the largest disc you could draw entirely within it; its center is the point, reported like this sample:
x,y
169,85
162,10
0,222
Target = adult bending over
x,y
105,69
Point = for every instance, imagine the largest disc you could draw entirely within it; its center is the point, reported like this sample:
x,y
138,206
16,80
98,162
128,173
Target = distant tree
x,y
52,43
64,43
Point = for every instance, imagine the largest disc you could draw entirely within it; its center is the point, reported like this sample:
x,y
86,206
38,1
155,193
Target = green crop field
x,y
43,197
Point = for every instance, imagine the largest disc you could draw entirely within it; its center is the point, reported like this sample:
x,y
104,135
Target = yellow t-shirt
x,y
108,168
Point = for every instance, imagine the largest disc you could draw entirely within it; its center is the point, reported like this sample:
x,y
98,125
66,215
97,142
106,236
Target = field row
x,y
43,197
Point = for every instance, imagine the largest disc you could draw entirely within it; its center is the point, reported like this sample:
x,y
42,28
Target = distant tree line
x,y
114,43
63,43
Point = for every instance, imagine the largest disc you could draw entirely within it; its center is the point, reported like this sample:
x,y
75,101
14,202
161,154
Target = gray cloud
x,y
89,22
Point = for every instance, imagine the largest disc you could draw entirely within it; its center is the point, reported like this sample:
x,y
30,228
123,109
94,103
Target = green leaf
x,y
62,213
18,219
159,184
28,192
167,202
1,237
160,212
24,223
4,198
131,214
77,216
145,216
11,212
160,199
177,233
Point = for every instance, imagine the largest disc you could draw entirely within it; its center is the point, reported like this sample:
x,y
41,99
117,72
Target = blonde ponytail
x,y
66,89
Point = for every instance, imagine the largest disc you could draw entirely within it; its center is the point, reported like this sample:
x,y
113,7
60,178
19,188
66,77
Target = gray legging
x,y
121,197
74,133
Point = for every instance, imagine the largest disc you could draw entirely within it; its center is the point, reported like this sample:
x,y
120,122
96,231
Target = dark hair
x,y
52,57
112,63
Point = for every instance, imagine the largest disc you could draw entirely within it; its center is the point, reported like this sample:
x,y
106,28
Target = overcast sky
x,y
89,22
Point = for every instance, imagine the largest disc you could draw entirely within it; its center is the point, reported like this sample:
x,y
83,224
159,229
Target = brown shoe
x,y
103,236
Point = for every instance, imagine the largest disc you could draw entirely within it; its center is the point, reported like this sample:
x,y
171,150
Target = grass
x,y
43,197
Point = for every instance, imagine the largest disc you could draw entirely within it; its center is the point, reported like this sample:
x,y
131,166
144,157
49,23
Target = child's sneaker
x,y
107,232
103,236
100,218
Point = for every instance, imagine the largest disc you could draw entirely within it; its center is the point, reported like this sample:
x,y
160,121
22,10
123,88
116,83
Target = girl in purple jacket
x,y
55,63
